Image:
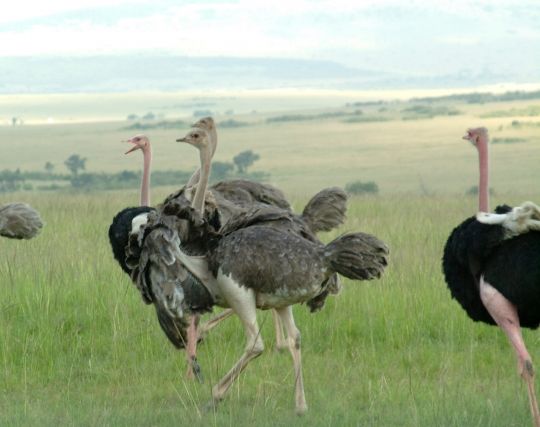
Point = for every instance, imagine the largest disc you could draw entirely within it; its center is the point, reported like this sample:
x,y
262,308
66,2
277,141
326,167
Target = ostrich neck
x,y
145,182
483,185
198,199
194,179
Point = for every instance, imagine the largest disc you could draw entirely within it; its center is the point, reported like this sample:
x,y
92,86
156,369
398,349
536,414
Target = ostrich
x,y
324,211
19,221
263,258
496,279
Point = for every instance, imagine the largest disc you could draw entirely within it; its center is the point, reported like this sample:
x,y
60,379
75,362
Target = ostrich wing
x,y
326,210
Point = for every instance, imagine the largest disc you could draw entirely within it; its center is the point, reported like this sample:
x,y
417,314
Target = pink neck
x,y
145,182
483,185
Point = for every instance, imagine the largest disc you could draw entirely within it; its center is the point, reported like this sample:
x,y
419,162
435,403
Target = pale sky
x,y
378,34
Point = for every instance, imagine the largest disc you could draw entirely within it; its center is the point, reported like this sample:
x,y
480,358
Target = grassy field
x,y
79,348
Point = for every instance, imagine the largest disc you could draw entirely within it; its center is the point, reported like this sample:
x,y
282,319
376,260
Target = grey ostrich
x,y
19,221
263,258
323,212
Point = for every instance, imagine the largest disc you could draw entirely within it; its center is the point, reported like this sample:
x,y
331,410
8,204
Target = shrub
x,y
360,188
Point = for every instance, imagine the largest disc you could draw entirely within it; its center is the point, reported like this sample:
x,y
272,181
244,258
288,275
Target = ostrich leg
x,y
213,322
193,368
242,301
505,314
293,341
281,344
206,327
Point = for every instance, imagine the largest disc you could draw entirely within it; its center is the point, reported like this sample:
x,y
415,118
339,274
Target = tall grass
x,y
78,346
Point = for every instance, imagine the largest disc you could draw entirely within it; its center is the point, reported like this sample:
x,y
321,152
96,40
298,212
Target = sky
x,y
386,35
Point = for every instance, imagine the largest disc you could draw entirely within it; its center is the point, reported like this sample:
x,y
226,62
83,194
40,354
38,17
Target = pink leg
x,y
505,314
193,369
213,322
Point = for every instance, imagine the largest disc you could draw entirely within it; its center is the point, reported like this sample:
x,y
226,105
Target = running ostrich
x,y
19,221
323,212
264,258
494,272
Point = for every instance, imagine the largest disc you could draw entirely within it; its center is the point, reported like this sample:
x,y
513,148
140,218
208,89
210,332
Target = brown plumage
x,y
19,221
263,257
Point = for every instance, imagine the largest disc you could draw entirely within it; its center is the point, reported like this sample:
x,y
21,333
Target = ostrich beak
x,y
181,139
132,149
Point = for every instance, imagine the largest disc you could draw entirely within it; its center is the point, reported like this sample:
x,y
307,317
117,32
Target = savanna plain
x,y
78,347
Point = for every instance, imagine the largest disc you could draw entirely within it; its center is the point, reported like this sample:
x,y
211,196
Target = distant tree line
x,y
78,178
483,97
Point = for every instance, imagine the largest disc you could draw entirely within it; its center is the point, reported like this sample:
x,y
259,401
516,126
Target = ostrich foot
x,y
194,371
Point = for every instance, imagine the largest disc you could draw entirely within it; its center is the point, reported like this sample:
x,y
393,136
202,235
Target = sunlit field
x,y
79,347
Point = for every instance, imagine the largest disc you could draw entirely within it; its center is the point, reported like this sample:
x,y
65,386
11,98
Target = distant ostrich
x,y
262,258
496,279
19,221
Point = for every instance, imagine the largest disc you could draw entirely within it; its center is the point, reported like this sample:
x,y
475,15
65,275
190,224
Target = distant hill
x,y
124,73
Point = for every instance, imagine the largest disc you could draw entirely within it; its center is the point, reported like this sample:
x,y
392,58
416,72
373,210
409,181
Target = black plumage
x,y
514,270
465,254
119,233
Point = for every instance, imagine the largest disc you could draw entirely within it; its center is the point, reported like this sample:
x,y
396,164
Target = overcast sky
x,y
377,34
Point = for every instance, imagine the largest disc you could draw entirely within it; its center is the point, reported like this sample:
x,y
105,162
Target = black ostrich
x,y
495,275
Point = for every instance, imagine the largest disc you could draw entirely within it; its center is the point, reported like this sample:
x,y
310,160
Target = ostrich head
x,y
477,136
206,123
140,142
197,137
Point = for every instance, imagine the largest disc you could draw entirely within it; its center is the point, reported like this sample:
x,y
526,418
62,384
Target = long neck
x,y
198,199
145,182
483,185
194,179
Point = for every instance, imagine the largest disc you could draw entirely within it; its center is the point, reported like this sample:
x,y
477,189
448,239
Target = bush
x,y
360,188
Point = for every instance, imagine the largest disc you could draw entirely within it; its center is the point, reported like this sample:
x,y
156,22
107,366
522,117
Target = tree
x,y
244,160
49,167
74,163
220,170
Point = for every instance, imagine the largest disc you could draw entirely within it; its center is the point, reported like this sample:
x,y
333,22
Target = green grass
x,y
80,348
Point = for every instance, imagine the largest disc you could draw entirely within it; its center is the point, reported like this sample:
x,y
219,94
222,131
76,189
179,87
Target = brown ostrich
x,y
19,221
494,272
263,258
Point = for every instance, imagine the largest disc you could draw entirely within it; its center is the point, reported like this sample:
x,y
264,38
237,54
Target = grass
x,y
80,348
